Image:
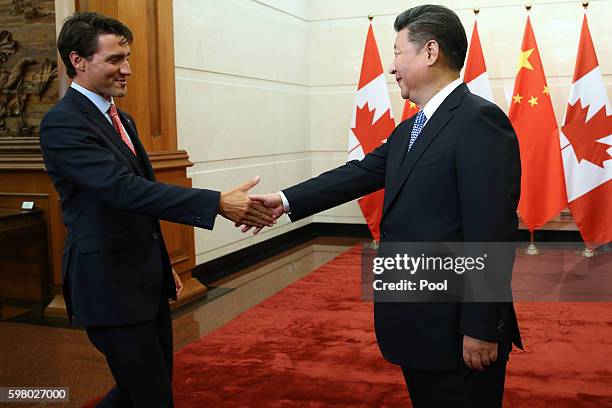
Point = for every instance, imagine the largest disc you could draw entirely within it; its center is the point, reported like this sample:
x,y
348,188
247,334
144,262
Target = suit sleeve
x,y
488,173
73,152
355,179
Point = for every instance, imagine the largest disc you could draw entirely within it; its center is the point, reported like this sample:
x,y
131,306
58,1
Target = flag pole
x,y
532,249
476,11
588,251
374,244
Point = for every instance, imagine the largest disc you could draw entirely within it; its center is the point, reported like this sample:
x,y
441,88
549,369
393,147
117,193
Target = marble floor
x,y
49,354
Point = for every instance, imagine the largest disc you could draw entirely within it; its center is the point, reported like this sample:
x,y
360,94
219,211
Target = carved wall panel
x,y
28,68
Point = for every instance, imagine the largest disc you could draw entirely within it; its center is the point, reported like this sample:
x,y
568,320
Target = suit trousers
x,y
465,388
140,358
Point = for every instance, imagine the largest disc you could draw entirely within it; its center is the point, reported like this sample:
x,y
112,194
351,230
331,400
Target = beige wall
x,y
267,87
242,101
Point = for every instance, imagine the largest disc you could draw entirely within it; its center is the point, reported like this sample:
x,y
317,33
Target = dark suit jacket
x,y
115,265
459,182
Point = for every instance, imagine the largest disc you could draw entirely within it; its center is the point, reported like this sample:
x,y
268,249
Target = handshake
x,y
250,211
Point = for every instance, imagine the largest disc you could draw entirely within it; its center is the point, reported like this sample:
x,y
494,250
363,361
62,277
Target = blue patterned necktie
x,y
419,122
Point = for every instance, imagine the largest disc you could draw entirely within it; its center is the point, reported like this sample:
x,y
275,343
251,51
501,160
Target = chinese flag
x,y
371,124
410,109
586,146
531,113
475,75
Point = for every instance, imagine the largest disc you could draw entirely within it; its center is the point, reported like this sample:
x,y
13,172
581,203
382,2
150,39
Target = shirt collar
x,y
101,102
434,103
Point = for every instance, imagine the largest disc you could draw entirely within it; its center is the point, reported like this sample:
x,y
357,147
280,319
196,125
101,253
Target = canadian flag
x,y
475,75
371,124
586,146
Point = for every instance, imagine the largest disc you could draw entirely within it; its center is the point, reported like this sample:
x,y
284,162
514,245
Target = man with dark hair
x,y
80,33
434,22
117,275
451,173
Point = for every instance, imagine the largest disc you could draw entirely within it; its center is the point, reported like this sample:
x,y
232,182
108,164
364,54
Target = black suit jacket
x,y
459,182
115,266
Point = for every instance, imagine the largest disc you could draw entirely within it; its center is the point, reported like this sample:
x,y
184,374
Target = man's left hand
x,y
177,283
477,353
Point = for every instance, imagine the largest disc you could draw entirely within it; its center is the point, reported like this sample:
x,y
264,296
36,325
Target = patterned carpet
x,y
313,345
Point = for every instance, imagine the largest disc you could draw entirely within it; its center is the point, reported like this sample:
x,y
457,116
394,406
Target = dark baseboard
x,y
231,263
550,236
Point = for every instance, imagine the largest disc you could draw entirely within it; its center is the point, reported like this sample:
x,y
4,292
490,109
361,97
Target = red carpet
x,y
312,345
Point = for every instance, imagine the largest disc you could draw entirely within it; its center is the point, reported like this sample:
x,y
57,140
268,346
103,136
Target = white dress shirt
x,y
434,103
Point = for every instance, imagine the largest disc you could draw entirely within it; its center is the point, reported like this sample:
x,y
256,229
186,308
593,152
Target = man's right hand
x,y
273,202
237,206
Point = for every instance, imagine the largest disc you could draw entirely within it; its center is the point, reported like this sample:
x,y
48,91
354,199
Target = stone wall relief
x,y
17,87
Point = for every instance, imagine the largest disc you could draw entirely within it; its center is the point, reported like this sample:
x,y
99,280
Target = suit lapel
x,y
432,129
403,148
98,119
141,157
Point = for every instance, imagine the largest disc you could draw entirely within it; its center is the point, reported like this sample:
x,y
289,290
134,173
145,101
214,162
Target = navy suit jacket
x,y
115,267
459,182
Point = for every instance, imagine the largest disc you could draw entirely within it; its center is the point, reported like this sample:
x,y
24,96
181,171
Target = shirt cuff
x,y
285,203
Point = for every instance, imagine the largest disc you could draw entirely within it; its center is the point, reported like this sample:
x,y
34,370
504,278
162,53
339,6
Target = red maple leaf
x,y
369,134
583,135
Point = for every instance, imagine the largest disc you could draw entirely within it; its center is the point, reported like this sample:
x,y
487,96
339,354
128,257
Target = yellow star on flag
x,y
545,91
412,105
533,101
517,98
524,60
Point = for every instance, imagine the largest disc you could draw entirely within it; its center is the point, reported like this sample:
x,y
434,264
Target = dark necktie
x,y
419,122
